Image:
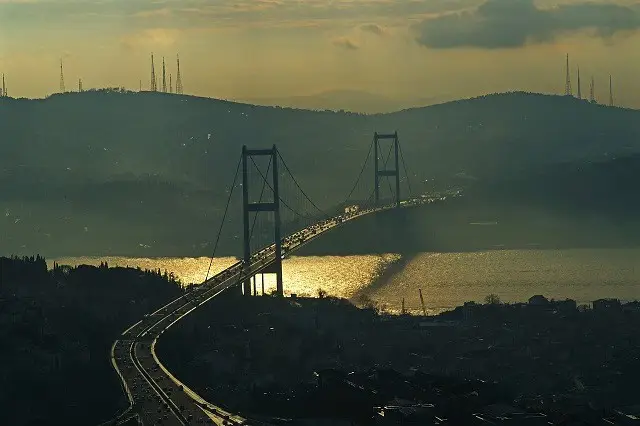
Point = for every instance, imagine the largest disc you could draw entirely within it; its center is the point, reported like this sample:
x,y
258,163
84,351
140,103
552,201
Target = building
x,y
538,300
607,305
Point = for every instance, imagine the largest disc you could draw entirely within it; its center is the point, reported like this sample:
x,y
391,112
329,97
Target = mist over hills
x,y
345,100
560,206
146,174
599,188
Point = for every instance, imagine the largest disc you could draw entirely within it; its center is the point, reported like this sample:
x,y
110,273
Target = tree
x,y
492,299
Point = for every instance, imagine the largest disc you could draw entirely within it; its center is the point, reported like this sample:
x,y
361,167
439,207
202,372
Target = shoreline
x,y
513,275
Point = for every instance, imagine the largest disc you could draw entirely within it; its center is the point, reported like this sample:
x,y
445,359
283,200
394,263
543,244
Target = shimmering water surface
x,y
446,279
342,276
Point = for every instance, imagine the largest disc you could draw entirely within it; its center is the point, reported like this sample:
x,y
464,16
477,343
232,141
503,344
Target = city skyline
x,y
278,48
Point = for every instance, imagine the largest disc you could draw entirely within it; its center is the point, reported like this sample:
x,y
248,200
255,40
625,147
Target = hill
x,y
105,172
607,187
566,205
345,100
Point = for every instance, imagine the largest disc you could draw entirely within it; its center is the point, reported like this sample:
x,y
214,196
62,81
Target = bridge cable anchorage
x,y
280,198
284,163
224,216
364,165
404,165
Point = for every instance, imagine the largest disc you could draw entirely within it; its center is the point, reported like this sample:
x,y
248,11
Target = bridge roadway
x,y
155,395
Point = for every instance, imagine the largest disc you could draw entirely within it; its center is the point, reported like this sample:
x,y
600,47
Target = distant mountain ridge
x,y
346,100
114,173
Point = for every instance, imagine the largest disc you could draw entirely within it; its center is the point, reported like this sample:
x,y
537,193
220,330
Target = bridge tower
x,y
247,207
387,172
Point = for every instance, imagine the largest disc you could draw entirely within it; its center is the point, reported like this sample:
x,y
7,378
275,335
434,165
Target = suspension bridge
x,y
278,218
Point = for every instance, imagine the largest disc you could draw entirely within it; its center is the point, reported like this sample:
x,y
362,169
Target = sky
x,y
413,50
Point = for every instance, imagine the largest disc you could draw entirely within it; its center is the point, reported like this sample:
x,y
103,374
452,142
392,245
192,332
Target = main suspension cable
x,y
404,165
270,187
284,163
264,184
224,216
385,167
361,171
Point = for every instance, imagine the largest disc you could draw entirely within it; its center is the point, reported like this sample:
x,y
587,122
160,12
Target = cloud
x,y
345,43
153,13
515,23
219,14
374,29
147,39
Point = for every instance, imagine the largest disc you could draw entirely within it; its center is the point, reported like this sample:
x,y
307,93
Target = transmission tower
x,y
579,91
170,85
140,88
62,89
178,78
4,88
610,92
592,95
164,78
567,85
153,76
80,85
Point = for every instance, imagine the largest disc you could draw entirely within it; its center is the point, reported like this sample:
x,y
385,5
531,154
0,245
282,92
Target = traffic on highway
x,y
156,397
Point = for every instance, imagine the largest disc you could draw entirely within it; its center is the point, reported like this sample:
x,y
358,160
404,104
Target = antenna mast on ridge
x,y
592,96
610,92
579,91
164,78
178,78
153,76
62,89
567,85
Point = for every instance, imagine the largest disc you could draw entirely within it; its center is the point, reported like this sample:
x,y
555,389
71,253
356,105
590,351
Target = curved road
x,y
155,395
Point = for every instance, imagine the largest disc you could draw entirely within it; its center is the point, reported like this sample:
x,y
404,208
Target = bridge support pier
x,y
386,172
273,206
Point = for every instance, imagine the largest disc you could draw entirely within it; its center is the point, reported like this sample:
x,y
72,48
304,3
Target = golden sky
x,y
248,49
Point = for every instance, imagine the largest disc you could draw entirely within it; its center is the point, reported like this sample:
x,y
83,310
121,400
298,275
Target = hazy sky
x,y
410,49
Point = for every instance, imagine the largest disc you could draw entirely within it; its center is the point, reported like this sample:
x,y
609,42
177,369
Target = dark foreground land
x,y
480,364
56,331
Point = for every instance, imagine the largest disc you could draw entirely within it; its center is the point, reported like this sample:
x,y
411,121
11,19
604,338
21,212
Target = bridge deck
x,y
155,395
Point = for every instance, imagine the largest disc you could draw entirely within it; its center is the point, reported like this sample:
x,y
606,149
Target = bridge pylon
x,y
274,207
386,172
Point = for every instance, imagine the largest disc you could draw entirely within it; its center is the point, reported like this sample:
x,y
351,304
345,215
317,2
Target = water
x,y
343,276
450,279
446,279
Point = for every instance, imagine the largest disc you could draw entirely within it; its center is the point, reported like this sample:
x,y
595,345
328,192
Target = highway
x,y
156,397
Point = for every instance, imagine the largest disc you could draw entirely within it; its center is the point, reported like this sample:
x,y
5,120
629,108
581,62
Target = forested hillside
x,y
106,172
